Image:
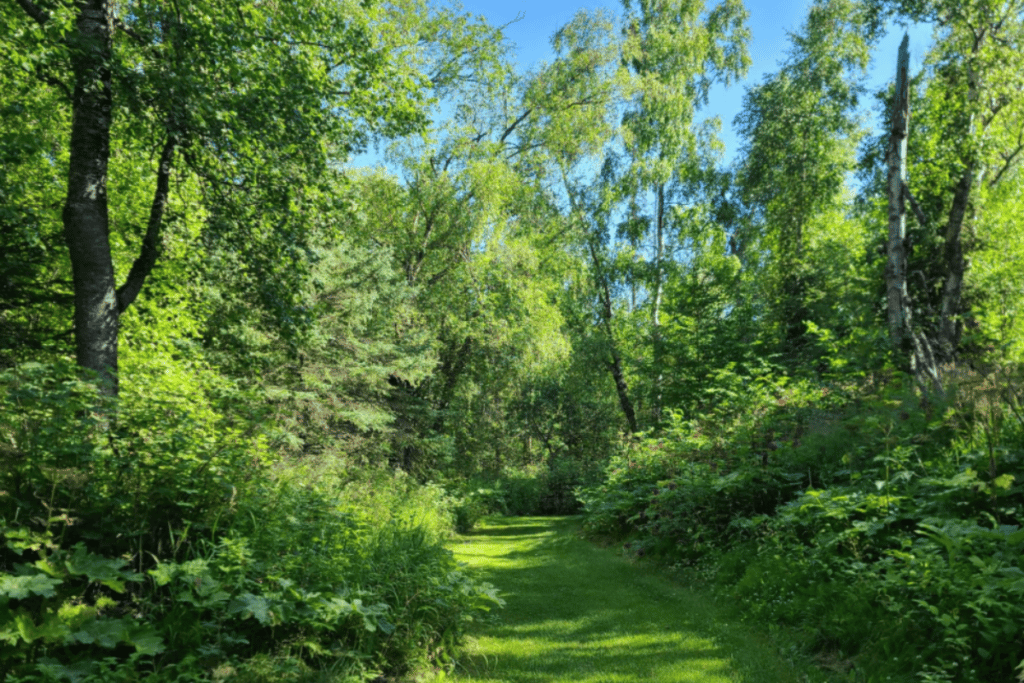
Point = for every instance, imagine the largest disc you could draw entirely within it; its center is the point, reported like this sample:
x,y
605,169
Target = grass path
x,y
579,613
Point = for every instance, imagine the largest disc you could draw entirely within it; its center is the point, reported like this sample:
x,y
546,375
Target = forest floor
x,y
577,612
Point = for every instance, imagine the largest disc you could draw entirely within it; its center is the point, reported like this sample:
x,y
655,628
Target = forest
x,y
250,390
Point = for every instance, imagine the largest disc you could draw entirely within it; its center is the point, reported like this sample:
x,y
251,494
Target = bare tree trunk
x,y
85,210
906,340
896,265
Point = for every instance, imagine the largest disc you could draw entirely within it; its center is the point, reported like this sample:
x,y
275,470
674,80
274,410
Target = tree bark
x,y
618,374
85,213
659,286
950,323
906,341
952,309
151,245
896,265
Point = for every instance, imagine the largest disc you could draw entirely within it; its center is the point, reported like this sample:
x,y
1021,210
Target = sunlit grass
x,y
580,613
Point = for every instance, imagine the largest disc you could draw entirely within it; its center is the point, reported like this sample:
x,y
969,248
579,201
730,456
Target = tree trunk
x,y
907,342
950,322
618,374
952,308
659,286
85,210
896,265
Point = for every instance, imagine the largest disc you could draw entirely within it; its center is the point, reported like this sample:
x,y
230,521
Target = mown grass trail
x,y
580,613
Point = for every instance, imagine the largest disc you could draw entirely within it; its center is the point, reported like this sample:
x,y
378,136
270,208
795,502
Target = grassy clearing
x,y
580,613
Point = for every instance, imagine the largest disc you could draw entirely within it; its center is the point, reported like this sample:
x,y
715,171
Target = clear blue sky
x,y
768,23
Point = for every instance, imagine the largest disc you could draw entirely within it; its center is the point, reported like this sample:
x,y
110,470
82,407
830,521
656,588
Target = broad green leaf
x,y
20,587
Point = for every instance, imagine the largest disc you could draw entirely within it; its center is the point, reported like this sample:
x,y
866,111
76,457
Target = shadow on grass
x,y
513,531
578,613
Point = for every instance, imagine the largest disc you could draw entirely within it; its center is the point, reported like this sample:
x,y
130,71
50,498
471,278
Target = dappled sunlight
x,y
578,613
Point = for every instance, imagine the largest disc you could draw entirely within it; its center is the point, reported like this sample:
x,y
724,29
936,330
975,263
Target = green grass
x,y
579,613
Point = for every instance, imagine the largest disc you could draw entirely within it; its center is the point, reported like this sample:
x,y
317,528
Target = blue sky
x,y
768,21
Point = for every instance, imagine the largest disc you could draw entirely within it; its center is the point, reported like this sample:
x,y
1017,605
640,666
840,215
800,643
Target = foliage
x,y
801,129
889,536
223,557
534,489
554,298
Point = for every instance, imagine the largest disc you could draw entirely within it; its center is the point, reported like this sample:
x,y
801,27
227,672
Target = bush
x,y
471,507
153,539
888,534
539,489
126,471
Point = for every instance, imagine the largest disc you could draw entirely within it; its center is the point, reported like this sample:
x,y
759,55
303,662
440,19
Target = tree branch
x,y
129,31
127,293
1007,163
53,81
918,213
512,126
438,276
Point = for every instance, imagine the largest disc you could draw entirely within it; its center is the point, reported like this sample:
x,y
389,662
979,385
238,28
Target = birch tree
x,y
675,52
965,139
800,133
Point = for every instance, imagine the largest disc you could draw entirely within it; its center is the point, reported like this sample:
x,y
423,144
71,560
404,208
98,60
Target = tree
x,y
35,283
218,85
801,133
904,336
675,52
474,224
965,136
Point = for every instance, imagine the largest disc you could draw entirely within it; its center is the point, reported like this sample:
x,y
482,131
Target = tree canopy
x,y
552,294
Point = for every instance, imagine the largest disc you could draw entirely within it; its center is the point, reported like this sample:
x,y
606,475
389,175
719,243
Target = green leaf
x,y
22,539
26,626
1003,481
386,626
103,632
164,572
108,572
73,672
253,606
20,587
147,640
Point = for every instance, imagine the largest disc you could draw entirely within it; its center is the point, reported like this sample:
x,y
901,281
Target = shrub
x,y
538,489
888,534
152,538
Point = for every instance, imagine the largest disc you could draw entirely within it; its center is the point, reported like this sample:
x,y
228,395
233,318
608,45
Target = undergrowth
x,y
158,538
886,531
545,488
